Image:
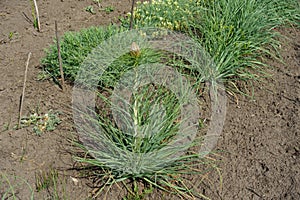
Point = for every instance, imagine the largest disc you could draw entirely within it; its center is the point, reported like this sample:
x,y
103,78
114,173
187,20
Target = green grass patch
x,y
137,144
75,46
141,152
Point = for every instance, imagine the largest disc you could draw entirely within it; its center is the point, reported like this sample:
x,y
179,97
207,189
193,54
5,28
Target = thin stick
x,y
23,92
131,16
59,58
37,16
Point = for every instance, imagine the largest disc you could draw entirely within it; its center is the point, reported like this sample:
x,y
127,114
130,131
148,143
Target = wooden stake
x,y
59,58
37,16
23,92
131,16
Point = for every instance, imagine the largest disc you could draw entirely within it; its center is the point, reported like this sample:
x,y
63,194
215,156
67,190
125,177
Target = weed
x,y
43,75
45,180
11,35
50,182
109,9
5,127
41,123
173,15
90,9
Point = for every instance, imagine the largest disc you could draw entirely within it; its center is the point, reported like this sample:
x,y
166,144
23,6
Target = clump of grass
x,y
75,46
238,33
143,137
283,12
141,150
45,180
51,183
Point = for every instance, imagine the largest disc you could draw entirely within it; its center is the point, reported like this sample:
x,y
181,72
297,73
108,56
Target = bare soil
x,y
259,148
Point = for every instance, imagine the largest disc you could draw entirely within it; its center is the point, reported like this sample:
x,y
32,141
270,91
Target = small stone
x,y
75,180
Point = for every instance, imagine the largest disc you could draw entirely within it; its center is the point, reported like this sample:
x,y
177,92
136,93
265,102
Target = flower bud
x,y
135,50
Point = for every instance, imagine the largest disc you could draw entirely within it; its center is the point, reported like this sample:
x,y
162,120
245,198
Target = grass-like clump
x,y
144,138
75,46
142,153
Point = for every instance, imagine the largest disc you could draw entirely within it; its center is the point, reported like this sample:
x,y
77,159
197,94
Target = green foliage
x,y
283,12
142,151
136,194
173,15
5,127
109,9
45,180
11,35
234,33
75,46
125,63
90,9
53,185
237,33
